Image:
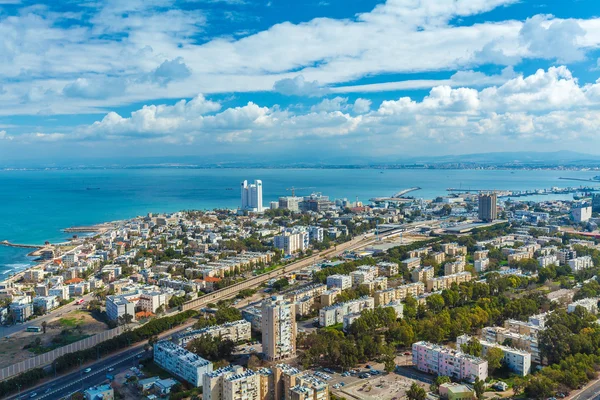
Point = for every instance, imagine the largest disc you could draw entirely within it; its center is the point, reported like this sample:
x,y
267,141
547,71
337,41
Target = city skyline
x,y
317,80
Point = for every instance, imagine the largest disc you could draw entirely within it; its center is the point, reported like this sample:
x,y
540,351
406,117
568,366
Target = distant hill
x,y
556,158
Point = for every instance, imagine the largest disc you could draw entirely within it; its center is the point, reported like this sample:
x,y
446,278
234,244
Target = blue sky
x,y
309,80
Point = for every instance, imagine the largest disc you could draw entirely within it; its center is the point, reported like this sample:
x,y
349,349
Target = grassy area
x,y
336,327
70,322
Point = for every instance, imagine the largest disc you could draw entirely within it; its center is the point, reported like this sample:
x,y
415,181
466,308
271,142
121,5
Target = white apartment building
x,y
252,196
481,264
151,301
46,302
235,331
335,313
454,267
422,274
315,234
180,362
339,281
579,263
590,304
290,242
62,292
278,328
435,359
518,361
581,214
117,306
546,261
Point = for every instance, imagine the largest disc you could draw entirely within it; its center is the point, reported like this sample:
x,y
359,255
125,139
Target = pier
x,y
397,197
20,246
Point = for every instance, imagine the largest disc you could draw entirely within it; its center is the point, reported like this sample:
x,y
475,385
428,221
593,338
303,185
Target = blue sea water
x,y
36,205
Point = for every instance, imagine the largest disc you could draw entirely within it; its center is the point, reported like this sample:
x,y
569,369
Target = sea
x,y
35,205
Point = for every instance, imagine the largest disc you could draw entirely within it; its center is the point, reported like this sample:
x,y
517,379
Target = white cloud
x,y
170,70
4,136
553,39
362,106
298,86
547,107
335,104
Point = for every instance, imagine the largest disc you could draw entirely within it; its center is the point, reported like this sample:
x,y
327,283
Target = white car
x,y
87,370
111,369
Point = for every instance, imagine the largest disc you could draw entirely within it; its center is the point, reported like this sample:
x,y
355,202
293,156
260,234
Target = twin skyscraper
x,y
252,196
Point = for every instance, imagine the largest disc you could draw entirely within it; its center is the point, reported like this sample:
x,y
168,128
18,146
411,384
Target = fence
x,y
47,358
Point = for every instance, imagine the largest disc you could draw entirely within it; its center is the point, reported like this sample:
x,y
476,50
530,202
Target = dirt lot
x,y
81,323
386,387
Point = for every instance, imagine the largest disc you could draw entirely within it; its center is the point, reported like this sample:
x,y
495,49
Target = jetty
x,y
90,228
21,246
396,197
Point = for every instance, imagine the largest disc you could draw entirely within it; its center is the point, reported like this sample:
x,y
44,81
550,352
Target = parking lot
x,y
371,382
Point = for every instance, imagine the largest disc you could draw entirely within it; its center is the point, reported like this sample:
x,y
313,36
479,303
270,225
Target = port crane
x,y
293,189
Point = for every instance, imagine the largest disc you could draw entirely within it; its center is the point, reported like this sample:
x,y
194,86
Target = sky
x,y
301,80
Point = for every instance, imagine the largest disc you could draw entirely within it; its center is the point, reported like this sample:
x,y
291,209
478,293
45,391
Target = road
x,y
9,330
591,392
79,380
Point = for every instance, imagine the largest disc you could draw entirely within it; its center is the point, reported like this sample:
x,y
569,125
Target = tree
x,y
254,362
416,392
518,385
227,314
44,324
439,380
435,302
479,387
472,347
494,358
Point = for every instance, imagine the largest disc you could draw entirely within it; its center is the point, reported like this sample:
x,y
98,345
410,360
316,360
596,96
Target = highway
x,y
67,384
591,392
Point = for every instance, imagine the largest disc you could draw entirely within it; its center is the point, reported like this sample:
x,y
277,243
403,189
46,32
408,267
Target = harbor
x,y
533,192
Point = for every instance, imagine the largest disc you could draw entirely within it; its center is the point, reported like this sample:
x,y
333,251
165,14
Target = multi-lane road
x,y
67,384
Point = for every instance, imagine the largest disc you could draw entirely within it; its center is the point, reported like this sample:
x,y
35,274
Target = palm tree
x,y
44,323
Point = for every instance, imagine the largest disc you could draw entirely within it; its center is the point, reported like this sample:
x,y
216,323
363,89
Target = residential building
x,y
565,255
590,304
581,214
252,196
411,263
488,210
231,383
445,282
454,267
151,301
278,328
481,264
100,392
315,234
291,203
518,361
180,362
456,391
422,274
21,311
435,359
290,242
46,303
388,268
235,331
579,263
328,297
254,316
342,282
335,313
546,261
118,306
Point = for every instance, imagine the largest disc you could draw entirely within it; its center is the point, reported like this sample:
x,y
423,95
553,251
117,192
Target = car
x,y
111,369
87,370
33,395
48,390
364,375
342,384
139,356
406,353
328,370
368,367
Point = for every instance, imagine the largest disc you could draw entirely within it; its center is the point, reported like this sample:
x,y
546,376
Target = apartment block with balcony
x,y
180,362
438,360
